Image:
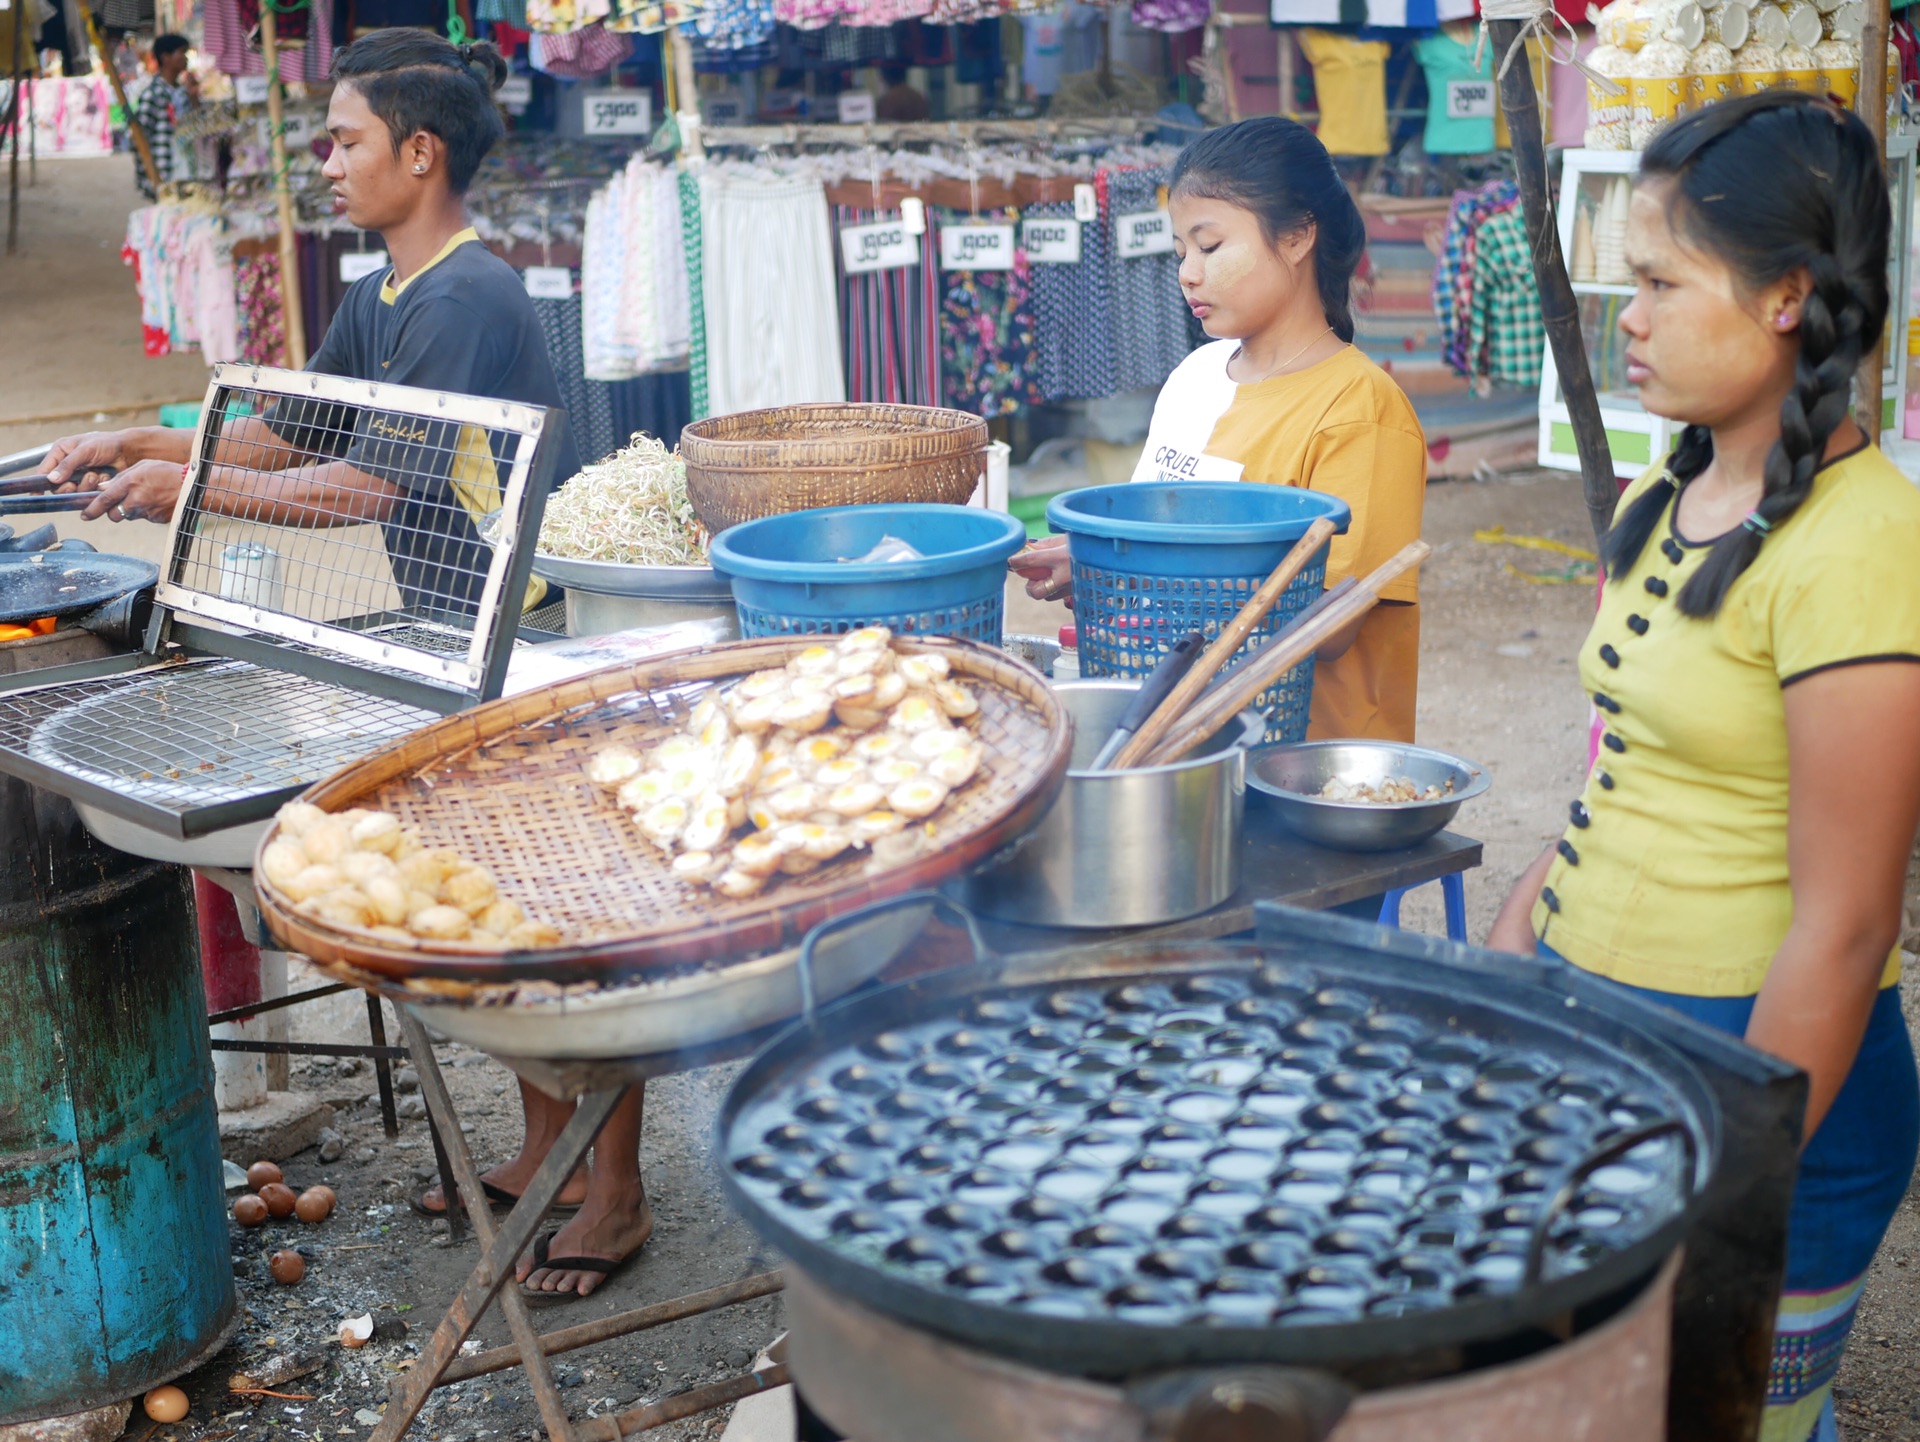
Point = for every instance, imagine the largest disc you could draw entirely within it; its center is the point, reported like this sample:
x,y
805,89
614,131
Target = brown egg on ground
x,y
260,1173
279,1199
166,1404
287,1266
249,1210
315,1204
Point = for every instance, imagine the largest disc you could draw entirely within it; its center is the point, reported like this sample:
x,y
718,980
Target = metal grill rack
x,y
326,590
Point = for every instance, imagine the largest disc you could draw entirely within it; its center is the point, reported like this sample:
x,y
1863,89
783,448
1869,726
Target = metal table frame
x,y
1278,868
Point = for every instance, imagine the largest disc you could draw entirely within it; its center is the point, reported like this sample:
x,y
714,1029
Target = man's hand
x,y
145,491
73,458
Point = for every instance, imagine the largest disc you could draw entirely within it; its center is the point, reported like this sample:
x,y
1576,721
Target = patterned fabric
x,y
1453,276
1505,332
1170,15
579,54
690,235
890,324
160,106
1809,1339
1073,317
256,282
987,360
589,411
1150,318
227,27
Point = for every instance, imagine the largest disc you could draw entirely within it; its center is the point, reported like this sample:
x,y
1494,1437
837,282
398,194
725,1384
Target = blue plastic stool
x,y
1453,893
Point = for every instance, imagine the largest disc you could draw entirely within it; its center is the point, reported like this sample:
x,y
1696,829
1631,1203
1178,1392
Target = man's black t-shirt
x,y
461,323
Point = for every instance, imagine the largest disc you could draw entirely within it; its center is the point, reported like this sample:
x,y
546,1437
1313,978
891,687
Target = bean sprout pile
x,y
630,509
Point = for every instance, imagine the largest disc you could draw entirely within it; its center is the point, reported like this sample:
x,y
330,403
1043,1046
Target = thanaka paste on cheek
x,y
1232,263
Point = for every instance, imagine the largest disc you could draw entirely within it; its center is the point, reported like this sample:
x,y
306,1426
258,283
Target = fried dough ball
x,y
313,881
501,917
428,870
343,906
377,831
531,936
472,890
360,867
296,818
389,900
281,861
441,923
328,840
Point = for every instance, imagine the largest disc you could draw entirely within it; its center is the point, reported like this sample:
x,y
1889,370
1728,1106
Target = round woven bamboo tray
x,y
505,786
800,458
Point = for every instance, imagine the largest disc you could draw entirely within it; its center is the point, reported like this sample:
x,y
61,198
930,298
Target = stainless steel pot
x,y
1125,848
603,597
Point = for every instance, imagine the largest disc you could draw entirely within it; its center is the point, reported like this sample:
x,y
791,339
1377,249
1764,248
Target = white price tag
x,y
516,92
619,112
724,109
1051,242
549,282
250,89
1086,204
356,263
1470,99
1147,232
299,130
885,245
856,107
913,214
976,247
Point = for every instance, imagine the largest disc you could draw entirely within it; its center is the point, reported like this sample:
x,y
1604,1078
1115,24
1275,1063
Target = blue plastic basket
x,y
1152,562
791,575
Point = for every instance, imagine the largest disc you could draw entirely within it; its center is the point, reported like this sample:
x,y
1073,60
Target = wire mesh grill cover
x,y
343,516
1238,1148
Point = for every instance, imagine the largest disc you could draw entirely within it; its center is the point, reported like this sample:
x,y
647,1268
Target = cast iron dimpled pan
x,y
923,1149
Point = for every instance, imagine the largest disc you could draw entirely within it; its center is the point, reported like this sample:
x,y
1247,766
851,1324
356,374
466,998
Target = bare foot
x,y
613,1234
512,1177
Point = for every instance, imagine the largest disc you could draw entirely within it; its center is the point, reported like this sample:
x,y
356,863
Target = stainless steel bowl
x,y
1286,778
604,596
1125,848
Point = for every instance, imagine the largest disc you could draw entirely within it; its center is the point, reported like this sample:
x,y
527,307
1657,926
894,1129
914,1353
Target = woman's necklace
x,y
1241,350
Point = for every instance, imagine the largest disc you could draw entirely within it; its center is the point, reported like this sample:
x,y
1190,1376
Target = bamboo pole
x,y
18,117
1559,309
1871,105
292,318
140,142
683,94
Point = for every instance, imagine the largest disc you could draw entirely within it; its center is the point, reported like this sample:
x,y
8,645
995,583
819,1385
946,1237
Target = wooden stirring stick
x,y
1260,672
1225,644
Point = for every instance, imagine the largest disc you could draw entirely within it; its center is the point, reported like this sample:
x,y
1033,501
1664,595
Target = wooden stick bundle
x,y
1225,644
1267,666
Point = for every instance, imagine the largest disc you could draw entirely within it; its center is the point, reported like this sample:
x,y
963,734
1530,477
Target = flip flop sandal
x,y
605,1266
497,1196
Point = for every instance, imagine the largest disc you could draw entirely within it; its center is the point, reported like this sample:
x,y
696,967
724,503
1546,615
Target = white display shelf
x,y
1636,439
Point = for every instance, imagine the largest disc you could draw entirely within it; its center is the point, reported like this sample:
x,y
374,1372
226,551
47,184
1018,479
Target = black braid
x,y
1774,184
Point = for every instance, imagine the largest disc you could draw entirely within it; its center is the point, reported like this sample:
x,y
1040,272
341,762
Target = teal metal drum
x,y
115,1272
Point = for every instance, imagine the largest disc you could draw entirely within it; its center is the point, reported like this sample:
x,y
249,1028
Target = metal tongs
x,y
27,495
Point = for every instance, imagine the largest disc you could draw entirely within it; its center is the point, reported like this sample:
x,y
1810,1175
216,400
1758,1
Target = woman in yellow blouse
x,y
1740,849
1268,239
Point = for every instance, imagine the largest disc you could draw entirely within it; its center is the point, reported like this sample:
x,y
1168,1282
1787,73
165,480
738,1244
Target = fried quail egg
x,y
915,799
804,713
756,856
879,746
819,750
857,715
760,714
662,822
738,885
738,766
760,684
790,803
924,669
613,769
839,773
856,799
641,792
814,661
896,771
955,768
935,741
699,865
888,690
707,826
675,752
867,638
854,688
876,824
917,712
956,700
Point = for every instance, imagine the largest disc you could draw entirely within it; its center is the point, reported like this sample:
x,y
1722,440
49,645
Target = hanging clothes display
x,y
1460,103
634,275
768,290
1150,323
182,261
890,322
258,302
987,360
1073,315
1350,79
228,25
1170,16
1484,295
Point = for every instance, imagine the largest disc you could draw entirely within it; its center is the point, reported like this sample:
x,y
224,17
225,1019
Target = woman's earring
x,y
1783,320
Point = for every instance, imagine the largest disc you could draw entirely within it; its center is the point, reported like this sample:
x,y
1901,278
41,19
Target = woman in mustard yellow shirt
x,y
1740,849
1268,239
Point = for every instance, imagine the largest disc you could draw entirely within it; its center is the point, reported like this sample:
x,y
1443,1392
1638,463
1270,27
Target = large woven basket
x,y
505,786
799,458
